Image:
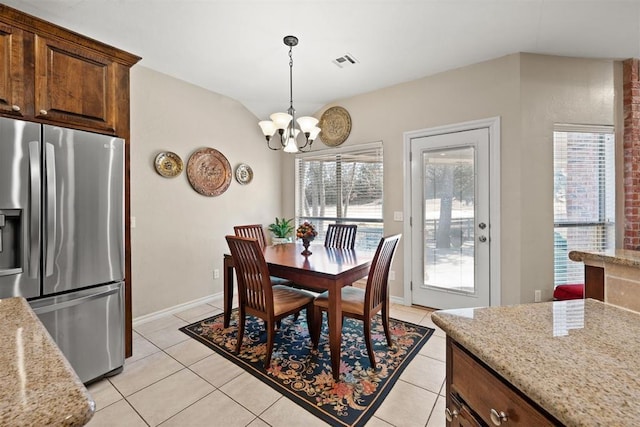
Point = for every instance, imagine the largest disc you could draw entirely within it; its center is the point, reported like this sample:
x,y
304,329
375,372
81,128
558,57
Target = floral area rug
x,y
304,375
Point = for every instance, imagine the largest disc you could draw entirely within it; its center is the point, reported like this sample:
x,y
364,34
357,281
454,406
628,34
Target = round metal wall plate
x,y
244,174
168,164
209,172
335,125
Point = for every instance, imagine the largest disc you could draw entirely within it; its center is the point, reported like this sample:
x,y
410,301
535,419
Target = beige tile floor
x,y
172,380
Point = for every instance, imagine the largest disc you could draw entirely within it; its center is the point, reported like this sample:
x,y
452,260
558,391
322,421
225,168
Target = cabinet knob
x,y
43,112
15,107
482,238
497,418
450,414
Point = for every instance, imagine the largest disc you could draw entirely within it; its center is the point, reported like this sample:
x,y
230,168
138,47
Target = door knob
x,y
15,107
482,238
43,112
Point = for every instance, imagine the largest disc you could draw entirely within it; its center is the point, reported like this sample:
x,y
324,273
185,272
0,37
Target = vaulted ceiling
x,y
235,48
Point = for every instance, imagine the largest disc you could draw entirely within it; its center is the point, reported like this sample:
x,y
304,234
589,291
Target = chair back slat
x,y
378,280
252,231
341,236
254,284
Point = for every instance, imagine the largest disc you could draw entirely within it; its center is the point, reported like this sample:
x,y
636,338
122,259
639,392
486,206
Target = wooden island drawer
x,y
484,392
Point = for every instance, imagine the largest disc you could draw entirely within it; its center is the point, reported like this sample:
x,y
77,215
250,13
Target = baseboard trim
x,y
175,309
397,300
187,305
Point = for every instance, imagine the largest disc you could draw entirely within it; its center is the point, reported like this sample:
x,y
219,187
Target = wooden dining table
x,y
326,269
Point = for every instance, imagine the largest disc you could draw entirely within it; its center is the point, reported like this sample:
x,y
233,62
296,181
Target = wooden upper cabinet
x,y
11,70
53,75
74,85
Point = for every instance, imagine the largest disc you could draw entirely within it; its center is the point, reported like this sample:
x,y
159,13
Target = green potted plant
x,y
281,230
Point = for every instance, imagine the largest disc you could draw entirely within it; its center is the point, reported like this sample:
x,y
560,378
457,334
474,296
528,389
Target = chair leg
x,y
241,320
270,338
311,323
367,340
317,326
385,323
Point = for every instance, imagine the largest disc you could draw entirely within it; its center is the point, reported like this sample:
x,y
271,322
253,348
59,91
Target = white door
x,y
450,241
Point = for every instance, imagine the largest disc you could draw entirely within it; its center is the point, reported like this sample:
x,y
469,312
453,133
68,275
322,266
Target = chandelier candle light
x,y
285,123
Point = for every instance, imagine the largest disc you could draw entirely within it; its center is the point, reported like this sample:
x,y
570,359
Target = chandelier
x,y
285,123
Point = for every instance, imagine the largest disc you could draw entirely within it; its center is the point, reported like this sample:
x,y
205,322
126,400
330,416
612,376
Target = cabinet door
x,y
74,85
485,393
11,70
461,416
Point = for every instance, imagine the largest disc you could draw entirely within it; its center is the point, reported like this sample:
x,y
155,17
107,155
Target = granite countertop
x,y
576,359
618,256
37,384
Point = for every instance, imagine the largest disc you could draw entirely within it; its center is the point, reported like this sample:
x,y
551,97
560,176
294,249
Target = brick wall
x,y
631,110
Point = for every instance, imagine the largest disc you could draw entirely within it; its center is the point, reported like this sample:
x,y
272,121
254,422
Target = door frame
x,y
493,125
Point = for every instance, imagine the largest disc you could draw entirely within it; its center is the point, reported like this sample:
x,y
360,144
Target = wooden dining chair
x,y
341,236
363,304
258,297
255,231
252,231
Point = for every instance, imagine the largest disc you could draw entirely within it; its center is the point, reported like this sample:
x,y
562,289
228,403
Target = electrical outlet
x,y
538,295
216,274
392,275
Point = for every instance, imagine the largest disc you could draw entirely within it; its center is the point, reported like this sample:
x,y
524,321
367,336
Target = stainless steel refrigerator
x,y
62,237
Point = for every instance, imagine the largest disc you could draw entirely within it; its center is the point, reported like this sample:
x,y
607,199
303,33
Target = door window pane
x,y
449,218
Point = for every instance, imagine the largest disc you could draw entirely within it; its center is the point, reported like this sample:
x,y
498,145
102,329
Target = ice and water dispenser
x,y
10,241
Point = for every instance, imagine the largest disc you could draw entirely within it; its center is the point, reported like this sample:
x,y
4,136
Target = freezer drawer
x,y
88,326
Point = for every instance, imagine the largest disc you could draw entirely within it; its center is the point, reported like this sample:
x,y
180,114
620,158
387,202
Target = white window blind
x,y
583,196
342,186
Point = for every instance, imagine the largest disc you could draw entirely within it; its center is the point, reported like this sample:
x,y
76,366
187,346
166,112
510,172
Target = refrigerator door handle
x,y
76,301
50,168
34,217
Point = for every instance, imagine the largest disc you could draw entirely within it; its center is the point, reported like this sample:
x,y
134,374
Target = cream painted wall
x,y
479,91
529,93
179,234
553,90
178,240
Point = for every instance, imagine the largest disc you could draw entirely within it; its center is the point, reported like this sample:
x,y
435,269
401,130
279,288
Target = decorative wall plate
x,y
209,172
244,174
336,126
168,164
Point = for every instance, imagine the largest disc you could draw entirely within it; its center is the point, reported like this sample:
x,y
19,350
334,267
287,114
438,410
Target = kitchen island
x,y
612,276
37,385
571,363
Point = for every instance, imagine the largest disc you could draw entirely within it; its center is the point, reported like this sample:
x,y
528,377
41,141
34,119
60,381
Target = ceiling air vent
x,y
346,60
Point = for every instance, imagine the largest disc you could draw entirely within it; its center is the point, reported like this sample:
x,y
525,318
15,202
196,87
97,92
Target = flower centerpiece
x,y
307,232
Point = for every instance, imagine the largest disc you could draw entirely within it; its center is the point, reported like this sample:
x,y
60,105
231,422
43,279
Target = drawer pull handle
x,y
450,414
15,107
43,112
497,418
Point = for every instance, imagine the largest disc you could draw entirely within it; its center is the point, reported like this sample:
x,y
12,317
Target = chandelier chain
x,y
291,77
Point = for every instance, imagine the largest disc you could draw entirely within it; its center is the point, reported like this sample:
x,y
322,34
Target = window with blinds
x,y
343,186
583,196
